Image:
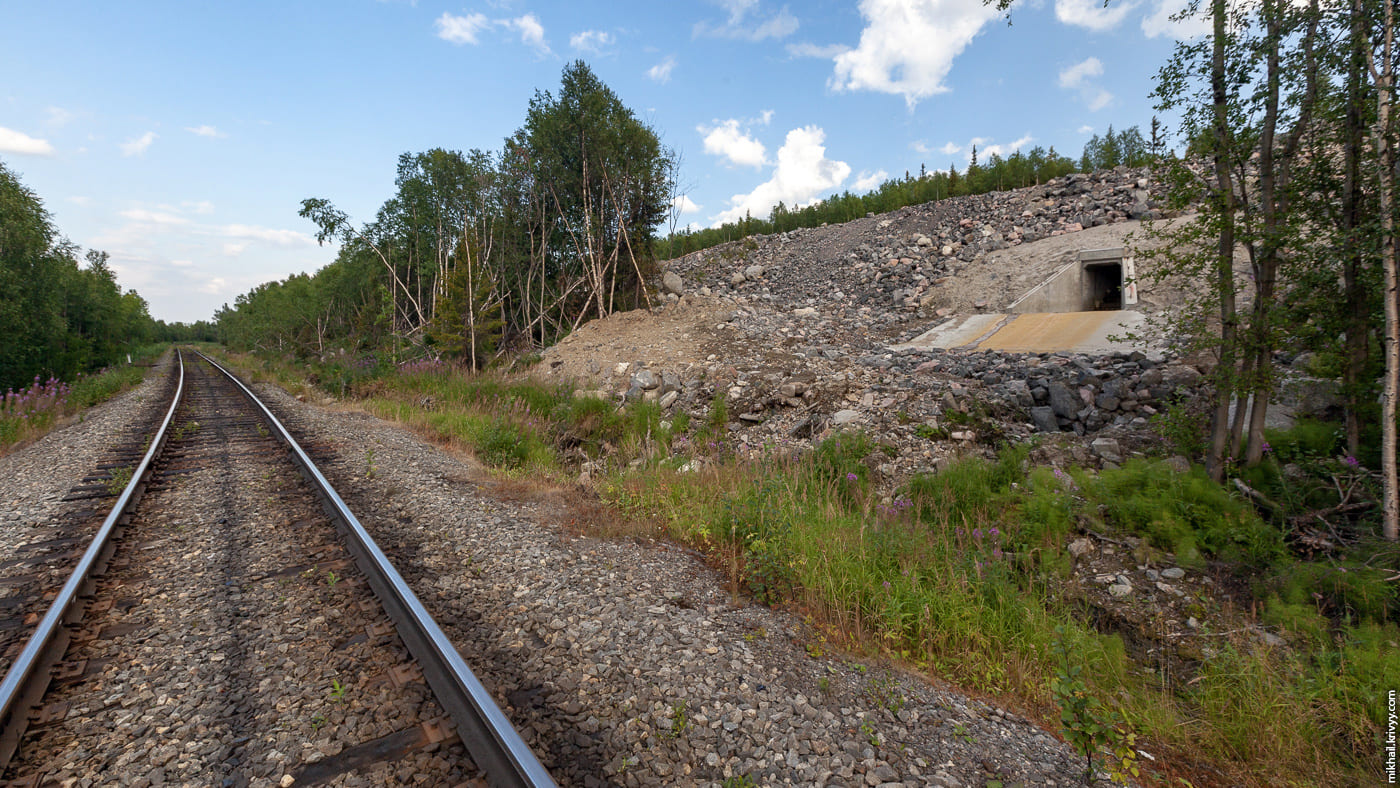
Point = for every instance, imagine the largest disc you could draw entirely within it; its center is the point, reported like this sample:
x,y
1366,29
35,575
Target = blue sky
x,y
181,137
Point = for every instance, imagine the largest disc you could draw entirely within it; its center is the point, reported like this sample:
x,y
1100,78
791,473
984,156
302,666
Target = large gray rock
x,y
671,283
1108,449
754,272
1064,402
1044,418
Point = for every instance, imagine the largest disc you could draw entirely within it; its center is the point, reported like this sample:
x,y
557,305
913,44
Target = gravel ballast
x,y
631,664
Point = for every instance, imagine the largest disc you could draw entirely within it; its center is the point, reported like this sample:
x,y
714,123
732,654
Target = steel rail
x,y
28,676
494,744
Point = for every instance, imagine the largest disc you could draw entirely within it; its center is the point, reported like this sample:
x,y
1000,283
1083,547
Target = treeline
x,y
1115,148
997,174
58,317
479,249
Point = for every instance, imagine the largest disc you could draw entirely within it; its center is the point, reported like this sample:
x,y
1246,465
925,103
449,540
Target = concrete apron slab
x,y
1034,332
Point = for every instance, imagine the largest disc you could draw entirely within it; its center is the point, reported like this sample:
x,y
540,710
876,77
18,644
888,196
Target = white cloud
x,y
594,41
461,29
1003,150
22,144
824,52
867,181
234,249
683,204
530,30
1086,129
467,29
203,206
765,117
949,148
266,235
205,131
214,286
661,72
138,146
1092,14
802,173
908,46
1160,23
746,22
152,217
1075,75
1082,77
726,140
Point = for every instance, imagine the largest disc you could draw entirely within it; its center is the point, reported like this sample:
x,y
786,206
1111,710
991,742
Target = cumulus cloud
x,y
908,46
468,29
726,140
802,173
138,146
152,217
461,29
746,21
1005,149
594,41
205,131
1160,22
682,204
950,148
867,181
1076,75
1083,78
1092,14
22,144
1086,129
530,30
661,72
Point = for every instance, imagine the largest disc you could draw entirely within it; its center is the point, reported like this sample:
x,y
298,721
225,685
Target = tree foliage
x,y
58,318
473,250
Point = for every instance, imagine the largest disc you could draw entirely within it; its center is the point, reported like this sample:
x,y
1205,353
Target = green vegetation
x,y
960,573
32,411
118,479
479,249
59,318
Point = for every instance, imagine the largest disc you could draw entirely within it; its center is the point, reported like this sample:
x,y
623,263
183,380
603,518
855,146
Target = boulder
x,y
671,283
1044,418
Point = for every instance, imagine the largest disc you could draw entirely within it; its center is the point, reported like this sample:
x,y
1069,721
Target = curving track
x,y
239,627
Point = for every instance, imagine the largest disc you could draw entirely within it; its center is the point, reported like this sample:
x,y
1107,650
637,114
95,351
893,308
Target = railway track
x,y
231,623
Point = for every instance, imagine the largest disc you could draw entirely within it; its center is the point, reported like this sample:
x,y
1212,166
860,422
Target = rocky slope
x,y
795,330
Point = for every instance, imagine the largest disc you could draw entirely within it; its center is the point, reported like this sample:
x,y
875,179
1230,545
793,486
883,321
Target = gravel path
x,y
39,530
624,664
235,643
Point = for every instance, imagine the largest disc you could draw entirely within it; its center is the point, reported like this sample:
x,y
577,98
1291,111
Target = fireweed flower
x,y
850,477
1352,461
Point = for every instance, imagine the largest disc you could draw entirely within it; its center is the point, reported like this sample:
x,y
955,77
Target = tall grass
x,y
31,412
